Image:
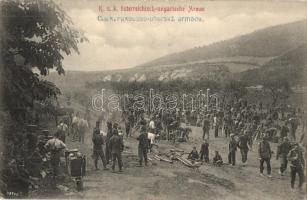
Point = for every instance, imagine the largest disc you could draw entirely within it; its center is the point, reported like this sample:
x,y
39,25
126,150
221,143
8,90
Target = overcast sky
x,y
124,45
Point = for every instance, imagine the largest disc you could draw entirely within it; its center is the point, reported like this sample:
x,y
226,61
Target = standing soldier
x,y
243,145
120,132
131,119
63,130
82,126
216,125
97,148
87,116
227,125
204,151
158,124
74,126
206,128
152,125
232,150
109,135
143,146
282,152
293,126
128,127
116,146
296,158
284,131
55,147
265,154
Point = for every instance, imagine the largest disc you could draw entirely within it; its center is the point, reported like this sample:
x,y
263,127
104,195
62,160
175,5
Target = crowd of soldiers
x,y
245,124
242,123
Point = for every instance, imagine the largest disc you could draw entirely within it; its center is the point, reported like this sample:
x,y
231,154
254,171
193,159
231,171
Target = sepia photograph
x,y
153,99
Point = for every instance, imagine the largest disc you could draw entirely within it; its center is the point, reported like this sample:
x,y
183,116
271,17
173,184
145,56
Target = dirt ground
x,y
162,180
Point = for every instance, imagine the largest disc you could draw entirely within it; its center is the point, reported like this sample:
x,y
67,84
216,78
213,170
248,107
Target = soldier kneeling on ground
x,y
193,155
217,160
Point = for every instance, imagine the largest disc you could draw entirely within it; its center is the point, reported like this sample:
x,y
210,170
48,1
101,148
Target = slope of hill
x,y
74,80
291,66
234,64
274,52
268,42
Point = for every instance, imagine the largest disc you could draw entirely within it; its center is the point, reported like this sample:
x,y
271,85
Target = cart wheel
x,y
79,185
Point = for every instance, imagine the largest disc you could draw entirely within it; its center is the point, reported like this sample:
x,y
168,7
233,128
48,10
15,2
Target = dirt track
x,y
161,180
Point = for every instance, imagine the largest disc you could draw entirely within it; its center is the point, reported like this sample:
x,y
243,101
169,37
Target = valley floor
x,y
162,180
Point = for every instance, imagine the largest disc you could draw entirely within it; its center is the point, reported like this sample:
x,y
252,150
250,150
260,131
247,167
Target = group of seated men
x,y
203,155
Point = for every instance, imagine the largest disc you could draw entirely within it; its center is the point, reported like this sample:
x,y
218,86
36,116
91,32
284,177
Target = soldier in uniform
x,y
243,145
265,154
284,131
193,155
116,146
97,148
217,160
55,147
63,129
282,152
232,150
109,135
296,158
128,127
293,121
143,146
206,128
216,124
204,151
